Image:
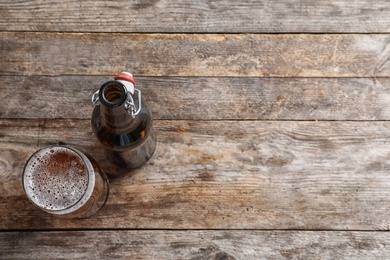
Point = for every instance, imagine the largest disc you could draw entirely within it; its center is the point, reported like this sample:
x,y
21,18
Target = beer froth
x,y
55,178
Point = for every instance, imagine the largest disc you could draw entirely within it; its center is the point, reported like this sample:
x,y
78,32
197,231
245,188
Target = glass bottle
x,y
123,124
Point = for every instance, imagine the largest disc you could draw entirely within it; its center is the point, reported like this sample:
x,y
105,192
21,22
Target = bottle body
x,y
131,147
129,141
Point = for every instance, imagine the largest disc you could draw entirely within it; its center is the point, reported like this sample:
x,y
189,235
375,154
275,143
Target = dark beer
x,y
63,181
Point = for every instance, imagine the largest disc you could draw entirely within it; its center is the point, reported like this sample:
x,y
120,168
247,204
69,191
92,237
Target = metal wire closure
x,y
130,106
95,98
129,103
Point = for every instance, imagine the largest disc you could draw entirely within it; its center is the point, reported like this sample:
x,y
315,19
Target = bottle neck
x,y
113,96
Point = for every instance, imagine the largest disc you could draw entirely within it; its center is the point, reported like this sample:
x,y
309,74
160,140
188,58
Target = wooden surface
x,y
195,245
272,119
213,55
264,16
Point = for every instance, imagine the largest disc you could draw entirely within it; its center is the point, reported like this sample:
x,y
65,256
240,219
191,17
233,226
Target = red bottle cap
x,y
126,76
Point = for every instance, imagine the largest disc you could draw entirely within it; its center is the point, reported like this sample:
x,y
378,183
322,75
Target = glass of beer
x,y
63,181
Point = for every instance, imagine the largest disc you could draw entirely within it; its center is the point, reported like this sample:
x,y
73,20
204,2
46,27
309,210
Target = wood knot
x,y
212,252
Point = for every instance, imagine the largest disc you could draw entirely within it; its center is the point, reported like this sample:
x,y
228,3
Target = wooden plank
x,y
202,98
221,175
194,245
219,55
265,16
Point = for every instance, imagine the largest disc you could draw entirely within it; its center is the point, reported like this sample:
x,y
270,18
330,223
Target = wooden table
x,y
272,120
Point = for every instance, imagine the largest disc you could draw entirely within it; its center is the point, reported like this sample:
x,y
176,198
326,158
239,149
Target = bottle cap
x,y
126,76
127,79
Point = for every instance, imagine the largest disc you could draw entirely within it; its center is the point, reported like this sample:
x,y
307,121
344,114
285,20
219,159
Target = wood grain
x,y
265,16
221,175
204,98
272,119
194,245
219,55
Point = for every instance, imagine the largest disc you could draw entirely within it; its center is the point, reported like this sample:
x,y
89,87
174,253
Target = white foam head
x,y
56,178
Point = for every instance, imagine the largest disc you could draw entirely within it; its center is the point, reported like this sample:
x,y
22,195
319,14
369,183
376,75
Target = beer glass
x,y
64,182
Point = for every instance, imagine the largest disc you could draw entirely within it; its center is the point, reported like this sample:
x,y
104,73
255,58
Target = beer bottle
x,y
123,124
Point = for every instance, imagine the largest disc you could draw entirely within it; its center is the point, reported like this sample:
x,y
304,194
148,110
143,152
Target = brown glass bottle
x,y
123,124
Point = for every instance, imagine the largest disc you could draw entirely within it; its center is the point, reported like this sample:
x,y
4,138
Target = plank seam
x,y
200,32
189,230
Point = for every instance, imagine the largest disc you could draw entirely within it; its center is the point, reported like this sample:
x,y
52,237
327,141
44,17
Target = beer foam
x,y
55,178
